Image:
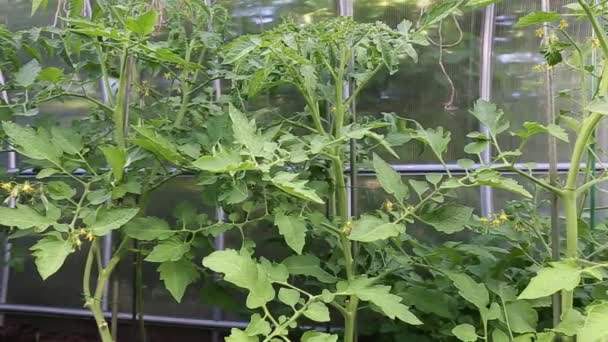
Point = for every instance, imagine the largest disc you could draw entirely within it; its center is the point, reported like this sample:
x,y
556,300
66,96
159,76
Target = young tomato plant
x,y
132,72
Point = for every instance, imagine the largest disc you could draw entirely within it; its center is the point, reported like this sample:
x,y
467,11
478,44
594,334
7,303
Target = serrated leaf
x,y
436,139
532,128
157,144
538,17
420,187
317,336
439,11
481,3
26,76
148,229
50,253
465,332
370,228
473,292
68,140
287,182
317,312
117,158
24,217
143,24
548,280
308,265
449,218
293,230
240,48
110,219
30,143
51,74
490,116
389,179
245,133
222,162
177,275
240,270
494,179
168,250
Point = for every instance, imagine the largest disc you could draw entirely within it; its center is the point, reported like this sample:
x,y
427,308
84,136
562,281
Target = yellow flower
x,y
167,75
27,188
503,217
90,236
6,186
388,205
563,24
539,68
82,231
539,32
484,220
595,43
496,222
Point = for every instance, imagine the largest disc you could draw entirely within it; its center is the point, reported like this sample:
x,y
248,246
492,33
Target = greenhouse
x,y
303,170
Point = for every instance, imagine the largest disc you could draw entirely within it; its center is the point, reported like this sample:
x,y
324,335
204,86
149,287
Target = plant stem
x,y
120,110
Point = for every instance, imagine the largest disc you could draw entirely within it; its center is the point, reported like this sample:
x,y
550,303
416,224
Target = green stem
x,y
94,302
120,110
185,88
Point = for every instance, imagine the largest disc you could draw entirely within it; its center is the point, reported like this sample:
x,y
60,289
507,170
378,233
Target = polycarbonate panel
x,y
519,77
421,91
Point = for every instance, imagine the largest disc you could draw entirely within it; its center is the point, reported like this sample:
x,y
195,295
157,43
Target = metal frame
x,y
345,8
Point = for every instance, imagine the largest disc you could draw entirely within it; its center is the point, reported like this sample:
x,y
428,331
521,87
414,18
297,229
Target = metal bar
x,y
124,316
438,168
485,93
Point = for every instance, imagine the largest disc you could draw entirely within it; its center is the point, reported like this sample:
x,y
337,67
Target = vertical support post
x,y
553,176
485,93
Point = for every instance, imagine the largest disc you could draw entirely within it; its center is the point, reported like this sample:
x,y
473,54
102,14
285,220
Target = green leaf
x,y
240,48
51,74
177,275
240,270
572,321
287,182
420,187
599,105
117,158
317,312
110,219
522,317
45,173
67,140
473,292
36,4
222,162
24,217
237,335
168,250
293,229
316,336
449,218
532,128
258,326
548,280
548,336
50,253
370,228
490,116
535,18
500,336
148,229
436,139
494,179
481,3
594,329
289,297
465,332
76,7
439,11
143,24
390,180
245,133
308,265
380,296
59,190
36,145
158,145
26,76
